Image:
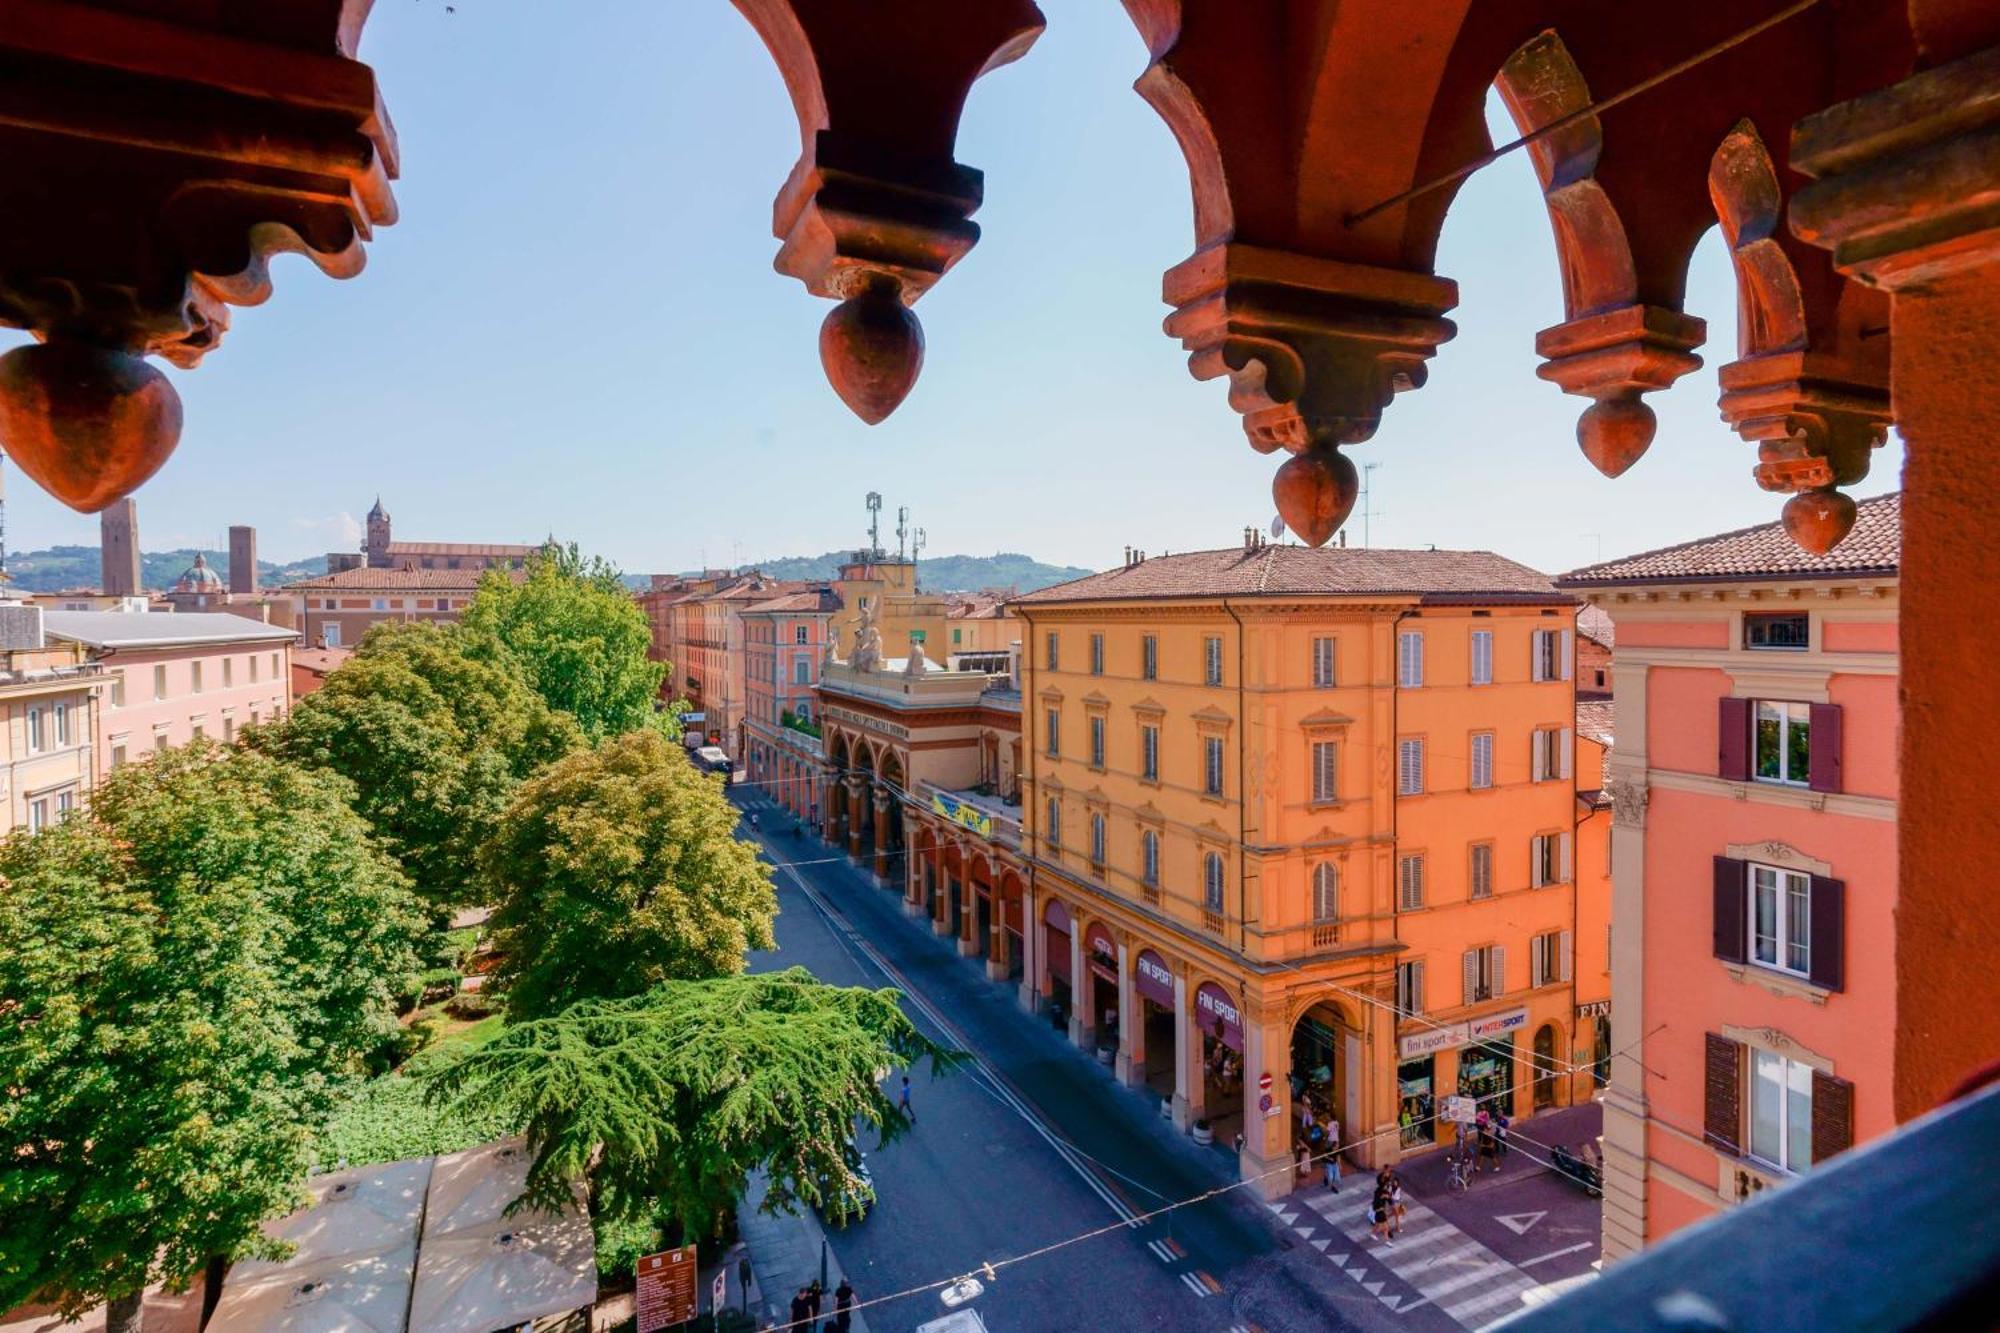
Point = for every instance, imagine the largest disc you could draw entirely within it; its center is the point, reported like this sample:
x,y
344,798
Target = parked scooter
x,y
1579,1171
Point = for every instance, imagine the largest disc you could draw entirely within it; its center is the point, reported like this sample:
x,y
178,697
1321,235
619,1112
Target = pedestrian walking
x,y
802,1309
1489,1148
1332,1167
1395,1205
814,1292
1378,1212
903,1102
843,1306
1501,1124
1305,1160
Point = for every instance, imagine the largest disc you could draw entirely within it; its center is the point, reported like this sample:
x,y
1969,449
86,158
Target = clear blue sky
x,y
576,328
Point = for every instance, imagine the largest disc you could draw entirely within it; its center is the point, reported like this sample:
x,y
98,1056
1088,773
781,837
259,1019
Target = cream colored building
x,y
50,695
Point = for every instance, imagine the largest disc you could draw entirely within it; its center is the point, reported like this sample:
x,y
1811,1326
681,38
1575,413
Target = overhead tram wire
x,y
1563,122
906,799
990,1268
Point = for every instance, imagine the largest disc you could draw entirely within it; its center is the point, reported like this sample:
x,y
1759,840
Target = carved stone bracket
x,y
1813,431
1613,357
876,209
1313,350
152,170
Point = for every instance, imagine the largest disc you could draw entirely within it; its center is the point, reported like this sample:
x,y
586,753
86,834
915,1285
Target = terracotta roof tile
x,y
1291,571
1874,547
1594,623
399,580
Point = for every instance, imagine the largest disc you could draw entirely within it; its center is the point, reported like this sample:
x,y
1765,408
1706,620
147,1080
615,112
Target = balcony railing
x,y
1211,921
1897,1234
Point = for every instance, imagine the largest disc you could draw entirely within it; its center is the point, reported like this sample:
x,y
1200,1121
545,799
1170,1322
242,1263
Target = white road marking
x,y
1518,1223
1556,1254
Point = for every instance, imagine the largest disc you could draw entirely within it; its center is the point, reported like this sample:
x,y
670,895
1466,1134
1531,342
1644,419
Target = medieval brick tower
x,y
119,536
378,536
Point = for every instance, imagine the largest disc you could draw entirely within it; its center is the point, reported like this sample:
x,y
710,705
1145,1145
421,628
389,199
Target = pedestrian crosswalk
x,y
1445,1267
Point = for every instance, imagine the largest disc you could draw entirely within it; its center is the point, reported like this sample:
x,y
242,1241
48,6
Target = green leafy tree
x,y
575,633
434,741
618,868
187,972
669,1099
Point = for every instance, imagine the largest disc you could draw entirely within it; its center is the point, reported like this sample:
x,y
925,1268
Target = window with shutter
x,y
1823,765
1539,655
1212,647
1733,740
1149,843
1832,1115
1212,882
1212,765
1325,771
1471,977
1323,663
1482,760
1565,957
1410,882
1410,988
1409,768
1053,721
1097,654
1730,909
1499,959
1481,873
1326,892
1052,657
1149,753
1565,742
1097,840
1149,657
1722,1094
1410,661
1564,871
1482,657
1828,916
1097,742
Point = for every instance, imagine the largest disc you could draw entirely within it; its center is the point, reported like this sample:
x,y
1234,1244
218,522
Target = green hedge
x,y
386,1121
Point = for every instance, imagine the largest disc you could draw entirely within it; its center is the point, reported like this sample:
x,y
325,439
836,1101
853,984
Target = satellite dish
x,y
1277,527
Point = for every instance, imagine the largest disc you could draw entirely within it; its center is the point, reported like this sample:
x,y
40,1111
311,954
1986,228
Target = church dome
x,y
199,577
378,513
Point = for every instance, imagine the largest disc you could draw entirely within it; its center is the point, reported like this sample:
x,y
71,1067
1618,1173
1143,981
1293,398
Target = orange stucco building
x,y
1312,815
1755,791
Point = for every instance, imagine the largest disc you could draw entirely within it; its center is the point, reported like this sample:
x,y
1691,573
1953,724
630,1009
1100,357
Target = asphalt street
x,y
1032,1146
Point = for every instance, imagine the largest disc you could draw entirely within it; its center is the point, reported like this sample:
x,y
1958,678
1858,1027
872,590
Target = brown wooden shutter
x,y
1722,1094
1732,910
1828,932
1732,743
1832,1116
1823,767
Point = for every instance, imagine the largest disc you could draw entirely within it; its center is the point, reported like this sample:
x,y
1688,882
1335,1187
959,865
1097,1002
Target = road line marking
x,y
1556,1254
1194,1286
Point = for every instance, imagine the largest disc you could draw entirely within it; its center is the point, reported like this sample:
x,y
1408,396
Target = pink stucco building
x,y
784,644
175,677
1754,788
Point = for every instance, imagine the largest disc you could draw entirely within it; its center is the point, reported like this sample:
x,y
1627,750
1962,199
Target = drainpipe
x,y
1243,798
1395,842
1029,860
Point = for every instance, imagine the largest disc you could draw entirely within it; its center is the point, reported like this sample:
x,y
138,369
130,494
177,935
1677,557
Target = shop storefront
x,y
1055,948
1153,988
1486,1068
1221,1027
1416,1091
1594,1018
1101,956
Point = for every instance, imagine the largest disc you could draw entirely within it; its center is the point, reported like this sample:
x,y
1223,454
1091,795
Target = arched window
x,y
1149,857
1211,866
1326,892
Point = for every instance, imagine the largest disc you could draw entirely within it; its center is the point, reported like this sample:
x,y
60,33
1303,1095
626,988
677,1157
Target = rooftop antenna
x,y
875,524
917,542
902,526
1367,509
1597,537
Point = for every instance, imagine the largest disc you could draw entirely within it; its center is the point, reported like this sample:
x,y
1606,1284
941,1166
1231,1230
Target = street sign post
x,y
718,1291
1460,1110
667,1289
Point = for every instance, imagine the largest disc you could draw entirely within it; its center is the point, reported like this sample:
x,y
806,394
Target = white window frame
x,y
1410,766
159,681
1480,775
1549,958
1482,657
1790,935
801,636
1410,882
1485,973
59,711
1550,749
1410,660
1548,856
194,678
1787,715
1792,1114
1325,772
118,689
1551,653
1323,662
37,736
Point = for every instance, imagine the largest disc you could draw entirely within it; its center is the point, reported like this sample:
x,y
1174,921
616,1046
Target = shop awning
x,y
480,1269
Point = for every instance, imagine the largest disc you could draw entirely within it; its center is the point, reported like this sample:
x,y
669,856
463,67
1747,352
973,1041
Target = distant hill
x,y
61,567
944,573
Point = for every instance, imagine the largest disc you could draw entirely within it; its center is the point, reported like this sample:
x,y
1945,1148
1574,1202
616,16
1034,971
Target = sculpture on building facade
x,y
917,663
867,654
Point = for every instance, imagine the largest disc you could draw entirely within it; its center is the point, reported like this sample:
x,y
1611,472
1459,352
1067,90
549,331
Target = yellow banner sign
x,y
958,812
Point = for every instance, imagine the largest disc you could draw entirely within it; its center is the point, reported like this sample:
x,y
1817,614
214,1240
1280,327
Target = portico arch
x,y
1326,1066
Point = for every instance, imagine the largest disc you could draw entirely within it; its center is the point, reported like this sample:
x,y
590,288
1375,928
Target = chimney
x,y
243,560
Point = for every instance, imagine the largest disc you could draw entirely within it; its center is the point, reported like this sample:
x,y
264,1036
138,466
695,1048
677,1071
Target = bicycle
x,y
1458,1168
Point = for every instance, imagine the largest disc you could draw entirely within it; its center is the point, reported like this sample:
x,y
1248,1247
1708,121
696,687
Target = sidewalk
x,y
785,1254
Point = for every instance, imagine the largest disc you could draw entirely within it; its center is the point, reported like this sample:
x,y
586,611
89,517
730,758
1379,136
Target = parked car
x,y
842,1202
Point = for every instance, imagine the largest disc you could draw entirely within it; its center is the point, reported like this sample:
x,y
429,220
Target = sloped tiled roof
x,y
366,579
1874,547
1594,623
812,601
1298,571
1596,720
